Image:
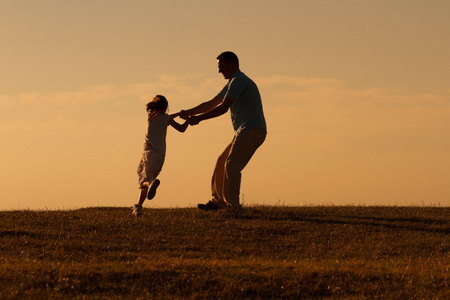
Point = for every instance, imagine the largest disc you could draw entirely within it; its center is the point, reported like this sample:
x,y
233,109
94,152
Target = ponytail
x,y
157,106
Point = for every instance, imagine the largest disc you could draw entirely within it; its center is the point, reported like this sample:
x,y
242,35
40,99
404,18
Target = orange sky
x,y
355,94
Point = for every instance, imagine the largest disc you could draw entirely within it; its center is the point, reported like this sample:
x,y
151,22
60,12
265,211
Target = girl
x,y
154,152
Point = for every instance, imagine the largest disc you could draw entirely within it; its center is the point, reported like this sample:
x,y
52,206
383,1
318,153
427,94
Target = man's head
x,y
228,63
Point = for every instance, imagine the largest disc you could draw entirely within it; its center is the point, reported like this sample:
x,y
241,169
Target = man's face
x,y
227,69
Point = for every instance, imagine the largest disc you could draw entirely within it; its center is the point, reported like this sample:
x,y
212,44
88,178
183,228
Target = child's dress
x,y
154,152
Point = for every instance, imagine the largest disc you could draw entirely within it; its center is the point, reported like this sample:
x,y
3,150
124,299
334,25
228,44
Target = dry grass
x,y
262,252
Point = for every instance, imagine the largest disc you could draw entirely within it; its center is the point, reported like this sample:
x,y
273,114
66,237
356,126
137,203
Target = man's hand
x,y
194,120
184,114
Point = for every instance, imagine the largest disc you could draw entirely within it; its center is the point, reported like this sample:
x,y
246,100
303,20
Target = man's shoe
x,y
152,190
208,206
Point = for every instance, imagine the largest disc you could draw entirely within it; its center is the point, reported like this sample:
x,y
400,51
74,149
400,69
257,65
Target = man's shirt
x,y
246,110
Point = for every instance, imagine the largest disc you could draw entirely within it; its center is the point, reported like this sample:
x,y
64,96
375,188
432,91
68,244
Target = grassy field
x,y
261,252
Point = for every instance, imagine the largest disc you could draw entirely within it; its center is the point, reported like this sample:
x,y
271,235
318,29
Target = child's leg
x,y
143,194
152,189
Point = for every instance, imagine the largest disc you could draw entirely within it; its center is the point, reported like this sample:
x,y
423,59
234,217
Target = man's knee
x,y
233,172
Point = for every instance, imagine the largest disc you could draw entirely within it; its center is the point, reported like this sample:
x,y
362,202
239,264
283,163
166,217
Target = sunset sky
x,y
355,93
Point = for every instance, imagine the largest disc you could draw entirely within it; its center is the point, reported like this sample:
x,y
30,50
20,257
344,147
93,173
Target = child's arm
x,y
176,125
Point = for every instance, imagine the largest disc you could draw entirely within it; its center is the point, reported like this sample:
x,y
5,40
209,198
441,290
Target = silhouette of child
x,y
154,151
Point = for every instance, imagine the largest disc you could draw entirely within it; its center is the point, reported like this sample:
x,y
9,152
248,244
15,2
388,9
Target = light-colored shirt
x,y
156,133
246,110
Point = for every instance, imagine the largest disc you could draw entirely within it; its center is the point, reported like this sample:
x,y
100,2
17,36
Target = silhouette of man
x,y
241,96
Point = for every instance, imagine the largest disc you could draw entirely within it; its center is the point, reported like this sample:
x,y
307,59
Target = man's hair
x,y
229,57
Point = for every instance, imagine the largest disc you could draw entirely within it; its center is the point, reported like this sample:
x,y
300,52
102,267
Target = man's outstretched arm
x,y
215,112
202,108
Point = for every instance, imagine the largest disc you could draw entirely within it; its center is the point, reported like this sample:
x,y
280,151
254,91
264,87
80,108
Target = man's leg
x,y
218,178
242,150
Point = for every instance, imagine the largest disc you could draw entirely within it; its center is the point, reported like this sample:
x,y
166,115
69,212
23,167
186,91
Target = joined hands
x,y
184,114
193,120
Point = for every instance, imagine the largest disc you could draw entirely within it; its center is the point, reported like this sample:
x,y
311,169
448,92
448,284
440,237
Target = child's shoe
x,y
152,189
137,211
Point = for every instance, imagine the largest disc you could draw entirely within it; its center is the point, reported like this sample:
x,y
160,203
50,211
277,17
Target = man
x,y
241,96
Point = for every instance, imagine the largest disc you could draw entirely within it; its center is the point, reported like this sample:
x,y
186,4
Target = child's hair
x,y
157,105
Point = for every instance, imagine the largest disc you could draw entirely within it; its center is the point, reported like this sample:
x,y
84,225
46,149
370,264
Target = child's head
x,y
157,105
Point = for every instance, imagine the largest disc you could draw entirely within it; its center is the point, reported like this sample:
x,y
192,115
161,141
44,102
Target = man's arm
x,y
202,108
215,112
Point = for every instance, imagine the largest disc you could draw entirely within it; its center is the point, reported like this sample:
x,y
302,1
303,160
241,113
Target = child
x,y
154,152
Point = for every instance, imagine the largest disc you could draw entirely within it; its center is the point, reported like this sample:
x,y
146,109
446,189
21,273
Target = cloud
x,y
323,112
320,109
376,117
